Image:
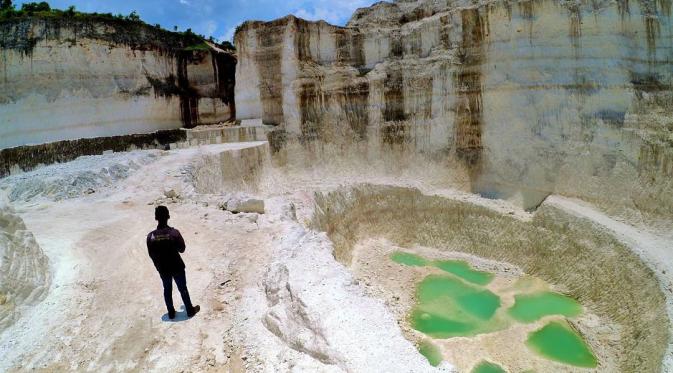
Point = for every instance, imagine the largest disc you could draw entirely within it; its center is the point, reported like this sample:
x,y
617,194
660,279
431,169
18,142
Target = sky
x,y
217,18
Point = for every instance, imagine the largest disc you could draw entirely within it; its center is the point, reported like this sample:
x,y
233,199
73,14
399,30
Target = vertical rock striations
x,y
68,78
532,98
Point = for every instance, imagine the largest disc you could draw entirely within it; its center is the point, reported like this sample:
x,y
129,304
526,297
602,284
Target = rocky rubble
x,y
83,176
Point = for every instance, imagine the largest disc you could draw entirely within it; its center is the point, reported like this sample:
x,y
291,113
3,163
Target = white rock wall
x,y
70,87
534,97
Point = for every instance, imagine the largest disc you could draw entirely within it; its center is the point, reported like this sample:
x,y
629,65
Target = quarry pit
x,y
434,187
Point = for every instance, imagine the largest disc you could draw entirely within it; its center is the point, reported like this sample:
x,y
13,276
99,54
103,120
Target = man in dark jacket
x,y
164,246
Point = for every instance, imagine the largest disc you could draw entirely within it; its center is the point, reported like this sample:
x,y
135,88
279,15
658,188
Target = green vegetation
x,y
560,343
128,29
203,46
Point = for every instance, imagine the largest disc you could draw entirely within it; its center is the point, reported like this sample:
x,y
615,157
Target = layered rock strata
x,y
25,158
531,97
70,78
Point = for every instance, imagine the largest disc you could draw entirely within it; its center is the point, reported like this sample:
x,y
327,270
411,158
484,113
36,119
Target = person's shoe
x,y
193,311
171,314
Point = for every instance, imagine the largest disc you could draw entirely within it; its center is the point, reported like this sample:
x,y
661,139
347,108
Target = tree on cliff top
x,y
6,4
36,7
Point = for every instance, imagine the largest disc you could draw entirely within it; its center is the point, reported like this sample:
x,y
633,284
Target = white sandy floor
x,y
104,310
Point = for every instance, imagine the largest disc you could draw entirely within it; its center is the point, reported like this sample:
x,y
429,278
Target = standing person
x,y
164,246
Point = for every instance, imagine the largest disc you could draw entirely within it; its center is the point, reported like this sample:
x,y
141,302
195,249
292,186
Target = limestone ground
x,y
272,296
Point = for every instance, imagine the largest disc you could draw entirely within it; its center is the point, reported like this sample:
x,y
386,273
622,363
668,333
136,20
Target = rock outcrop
x,y
24,269
67,78
530,98
238,203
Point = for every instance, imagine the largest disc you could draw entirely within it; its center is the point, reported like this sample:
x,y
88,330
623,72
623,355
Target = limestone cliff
x,y
90,76
531,97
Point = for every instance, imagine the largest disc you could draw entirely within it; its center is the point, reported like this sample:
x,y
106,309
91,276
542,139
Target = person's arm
x,y
149,252
179,241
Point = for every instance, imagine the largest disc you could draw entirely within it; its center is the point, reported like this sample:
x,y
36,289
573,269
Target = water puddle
x,y
459,268
486,367
408,259
431,352
463,270
449,307
457,304
532,307
559,342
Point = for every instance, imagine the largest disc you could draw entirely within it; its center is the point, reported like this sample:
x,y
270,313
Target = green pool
x,y
431,352
408,259
486,367
559,342
458,268
464,270
458,304
448,307
532,307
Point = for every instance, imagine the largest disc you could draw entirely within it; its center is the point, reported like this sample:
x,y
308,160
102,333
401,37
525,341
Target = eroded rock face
x,y
531,97
67,79
24,269
290,320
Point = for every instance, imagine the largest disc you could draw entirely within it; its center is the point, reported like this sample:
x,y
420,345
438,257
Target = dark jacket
x,y
164,246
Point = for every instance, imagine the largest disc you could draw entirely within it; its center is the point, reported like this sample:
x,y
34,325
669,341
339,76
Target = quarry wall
x,y
70,78
531,97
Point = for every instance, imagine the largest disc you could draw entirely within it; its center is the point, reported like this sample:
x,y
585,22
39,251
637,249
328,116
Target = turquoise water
x,y
458,305
559,342
486,367
464,270
532,307
408,259
431,352
448,307
458,268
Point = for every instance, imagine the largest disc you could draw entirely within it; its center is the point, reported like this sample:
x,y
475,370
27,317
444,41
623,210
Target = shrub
x,y
6,5
36,7
134,17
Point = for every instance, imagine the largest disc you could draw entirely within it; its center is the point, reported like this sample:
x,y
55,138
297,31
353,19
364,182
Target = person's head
x,y
161,214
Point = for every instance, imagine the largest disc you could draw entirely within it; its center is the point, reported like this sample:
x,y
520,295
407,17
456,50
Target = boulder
x,y
244,204
171,193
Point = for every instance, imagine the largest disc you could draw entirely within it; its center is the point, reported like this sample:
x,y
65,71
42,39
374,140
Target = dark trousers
x,y
181,282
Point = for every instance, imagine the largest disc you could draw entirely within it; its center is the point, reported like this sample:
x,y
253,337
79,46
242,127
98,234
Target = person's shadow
x,y
179,316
